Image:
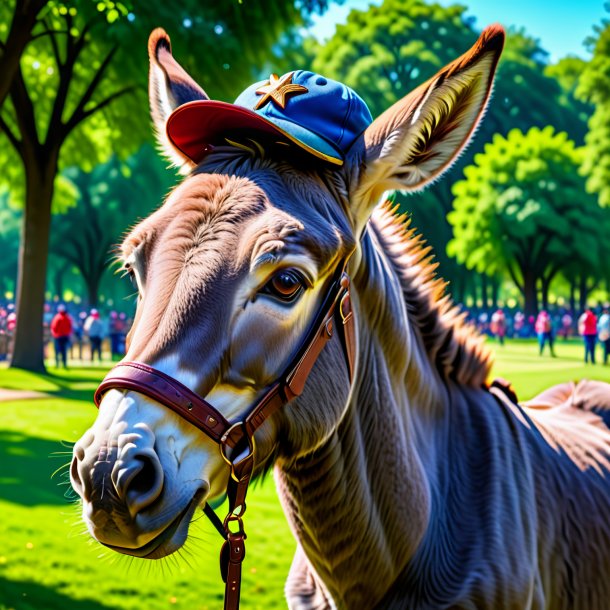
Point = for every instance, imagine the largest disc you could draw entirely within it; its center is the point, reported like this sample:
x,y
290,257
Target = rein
x,y
236,438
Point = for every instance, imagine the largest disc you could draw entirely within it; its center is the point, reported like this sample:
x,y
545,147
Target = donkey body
x,y
412,487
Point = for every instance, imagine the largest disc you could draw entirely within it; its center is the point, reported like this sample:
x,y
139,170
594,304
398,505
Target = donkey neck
x,y
364,493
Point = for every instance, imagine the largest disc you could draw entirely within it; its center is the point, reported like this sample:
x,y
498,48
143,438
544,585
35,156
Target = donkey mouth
x,y
170,539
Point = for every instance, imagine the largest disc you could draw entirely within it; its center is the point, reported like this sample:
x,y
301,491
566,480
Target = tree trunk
x,y
573,296
544,290
93,285
530,306
495,290
33,254
58,281
24,18
582,292
484,293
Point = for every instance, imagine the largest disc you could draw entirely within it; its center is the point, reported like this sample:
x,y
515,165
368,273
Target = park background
x,y
520,222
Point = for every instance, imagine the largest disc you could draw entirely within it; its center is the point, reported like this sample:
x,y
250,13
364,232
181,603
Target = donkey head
x,y
231,271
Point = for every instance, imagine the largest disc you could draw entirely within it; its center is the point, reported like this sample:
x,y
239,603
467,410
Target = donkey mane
x,y
454,347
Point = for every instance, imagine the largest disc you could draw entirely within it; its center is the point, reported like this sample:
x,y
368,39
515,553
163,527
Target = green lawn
x,y
47,562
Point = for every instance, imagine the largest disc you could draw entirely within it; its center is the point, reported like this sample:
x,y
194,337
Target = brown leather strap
x,y
144,379
231,557
236,439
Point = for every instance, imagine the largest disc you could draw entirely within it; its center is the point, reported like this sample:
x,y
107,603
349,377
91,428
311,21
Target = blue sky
x,y
560,25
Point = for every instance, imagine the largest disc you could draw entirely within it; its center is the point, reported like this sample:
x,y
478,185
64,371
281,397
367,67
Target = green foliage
x,y
385,51
594,86
523,207
529,93
111,198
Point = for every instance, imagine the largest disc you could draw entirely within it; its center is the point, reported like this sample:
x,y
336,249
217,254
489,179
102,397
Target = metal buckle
x,y
345,298
241,458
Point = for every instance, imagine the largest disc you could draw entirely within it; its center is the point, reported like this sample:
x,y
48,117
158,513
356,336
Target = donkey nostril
x,y
139,482
146,478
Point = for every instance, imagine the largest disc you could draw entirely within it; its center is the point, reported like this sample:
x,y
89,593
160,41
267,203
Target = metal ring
x,y
250,450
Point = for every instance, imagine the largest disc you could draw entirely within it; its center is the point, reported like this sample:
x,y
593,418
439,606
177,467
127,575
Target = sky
x,y
560,25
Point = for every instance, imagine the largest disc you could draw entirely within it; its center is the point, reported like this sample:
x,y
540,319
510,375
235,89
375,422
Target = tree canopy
x,y
385,51
594,86
523,208
110,198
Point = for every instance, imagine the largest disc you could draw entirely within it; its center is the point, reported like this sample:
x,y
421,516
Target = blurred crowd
x,y
74,334
87,335
593,325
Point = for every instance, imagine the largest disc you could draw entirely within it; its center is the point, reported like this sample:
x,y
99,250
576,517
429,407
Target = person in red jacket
x,y
61,329
587,327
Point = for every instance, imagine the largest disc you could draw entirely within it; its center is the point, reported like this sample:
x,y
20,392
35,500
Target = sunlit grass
x,y
48,561
530,373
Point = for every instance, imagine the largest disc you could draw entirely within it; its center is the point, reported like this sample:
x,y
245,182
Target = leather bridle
x,y
236,438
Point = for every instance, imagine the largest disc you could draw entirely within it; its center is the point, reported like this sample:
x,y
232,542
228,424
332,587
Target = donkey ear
x,y
420,136
169,86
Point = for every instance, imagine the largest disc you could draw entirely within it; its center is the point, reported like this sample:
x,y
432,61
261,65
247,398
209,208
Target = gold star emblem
x,y
277,89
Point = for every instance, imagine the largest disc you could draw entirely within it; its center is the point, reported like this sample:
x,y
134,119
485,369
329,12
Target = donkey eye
x,y
131,274
132,278
285,285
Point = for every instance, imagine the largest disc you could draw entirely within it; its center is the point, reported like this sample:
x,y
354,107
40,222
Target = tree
x,y
9,239
385,51
60,58
594,86
520,208
111,197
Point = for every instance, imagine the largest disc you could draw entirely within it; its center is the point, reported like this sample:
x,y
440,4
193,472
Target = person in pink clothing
x,y
498,325
587,327
544,331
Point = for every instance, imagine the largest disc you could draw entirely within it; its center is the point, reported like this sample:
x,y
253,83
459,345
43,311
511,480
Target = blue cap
x,y
320,115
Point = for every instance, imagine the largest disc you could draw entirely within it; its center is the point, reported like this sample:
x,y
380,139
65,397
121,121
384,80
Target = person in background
x,y
61,329
544,331
95,331
566,325
518,323
498,325
124,329
117,332
79,334
47,318
603,331
587,327
3,335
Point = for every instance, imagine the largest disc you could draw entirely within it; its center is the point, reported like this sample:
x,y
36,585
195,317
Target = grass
x,y
530,373
48,562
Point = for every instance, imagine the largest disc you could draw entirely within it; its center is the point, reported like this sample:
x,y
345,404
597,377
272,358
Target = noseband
x,y
236,438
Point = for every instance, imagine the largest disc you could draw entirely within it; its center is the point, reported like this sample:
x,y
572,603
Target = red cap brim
x,y
195,127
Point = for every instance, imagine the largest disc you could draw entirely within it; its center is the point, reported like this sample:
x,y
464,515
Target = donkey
x,y
408,483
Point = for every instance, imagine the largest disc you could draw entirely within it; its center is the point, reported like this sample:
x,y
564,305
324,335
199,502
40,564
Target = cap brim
x,y
196,127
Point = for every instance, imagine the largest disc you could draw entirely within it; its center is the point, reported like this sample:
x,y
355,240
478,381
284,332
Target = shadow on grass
x,y
26,466
79,388
75,384
25,595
